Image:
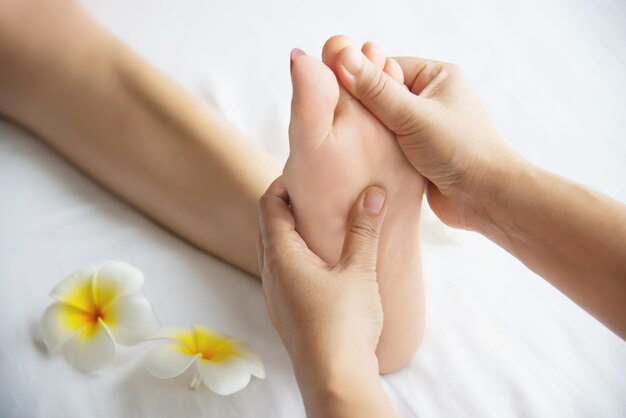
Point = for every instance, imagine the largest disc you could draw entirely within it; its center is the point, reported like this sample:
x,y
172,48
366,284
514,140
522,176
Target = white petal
x,y
225,378
75,289
254,361
170,360
130,319
181,336
59,322
114,279
91,348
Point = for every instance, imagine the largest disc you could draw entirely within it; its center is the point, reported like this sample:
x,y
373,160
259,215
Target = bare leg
x,y
131,128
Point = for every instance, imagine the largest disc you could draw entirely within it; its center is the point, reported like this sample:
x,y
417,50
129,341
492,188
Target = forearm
x,y
570,235
342,389
135,131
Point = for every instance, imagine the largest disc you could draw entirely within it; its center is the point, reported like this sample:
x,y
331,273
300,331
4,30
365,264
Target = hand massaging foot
x,y
337,149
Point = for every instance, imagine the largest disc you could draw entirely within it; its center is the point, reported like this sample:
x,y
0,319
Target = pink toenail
x,y
295,53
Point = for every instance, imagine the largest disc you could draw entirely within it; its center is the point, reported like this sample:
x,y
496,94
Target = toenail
x,y
353,60
374,201
295,53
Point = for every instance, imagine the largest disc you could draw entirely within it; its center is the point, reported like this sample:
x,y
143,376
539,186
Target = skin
x,y
119,120
567,233
337,148
177,160
130,128
308,298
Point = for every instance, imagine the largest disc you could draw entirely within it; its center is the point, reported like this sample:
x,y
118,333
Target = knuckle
x,y
364,228
375,85
408,120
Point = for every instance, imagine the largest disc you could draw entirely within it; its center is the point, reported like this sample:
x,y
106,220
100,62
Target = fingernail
x,y
295,53
353,60
374,201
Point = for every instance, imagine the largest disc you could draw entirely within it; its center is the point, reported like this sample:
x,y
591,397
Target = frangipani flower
x,y
224,365
97,307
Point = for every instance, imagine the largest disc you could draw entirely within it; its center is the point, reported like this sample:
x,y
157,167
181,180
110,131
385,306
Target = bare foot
x,y
337,149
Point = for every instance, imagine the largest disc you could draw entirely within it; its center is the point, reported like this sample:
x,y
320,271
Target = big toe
x,y
315,96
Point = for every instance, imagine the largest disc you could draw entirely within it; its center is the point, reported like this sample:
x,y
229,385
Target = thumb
x,y
360,247
394,105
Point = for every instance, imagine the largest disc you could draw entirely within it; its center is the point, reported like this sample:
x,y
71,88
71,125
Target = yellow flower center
x,y
211,345
88,306
95,314
218,352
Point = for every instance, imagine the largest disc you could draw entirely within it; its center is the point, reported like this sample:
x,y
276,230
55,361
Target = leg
x,y
131,128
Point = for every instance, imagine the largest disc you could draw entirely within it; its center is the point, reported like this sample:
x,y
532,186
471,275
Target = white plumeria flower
x,y
224,365
97,307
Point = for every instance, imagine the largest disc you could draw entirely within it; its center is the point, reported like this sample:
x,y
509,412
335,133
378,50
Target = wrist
x,y
332,363
502,184
341,386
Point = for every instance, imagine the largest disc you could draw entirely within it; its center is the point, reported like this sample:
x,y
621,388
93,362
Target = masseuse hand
x,y
329,318
568,234
439,124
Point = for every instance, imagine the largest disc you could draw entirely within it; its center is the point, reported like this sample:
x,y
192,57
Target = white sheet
x,y
499,341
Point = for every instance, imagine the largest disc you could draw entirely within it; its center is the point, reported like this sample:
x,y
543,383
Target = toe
x,y
315,96
393,69
374,53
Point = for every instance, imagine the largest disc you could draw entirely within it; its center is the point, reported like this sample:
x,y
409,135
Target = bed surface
x,y
499,341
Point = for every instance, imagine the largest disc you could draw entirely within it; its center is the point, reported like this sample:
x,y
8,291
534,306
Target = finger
x,y
397,108
420,73
329,53
374,53
275,217
360,248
